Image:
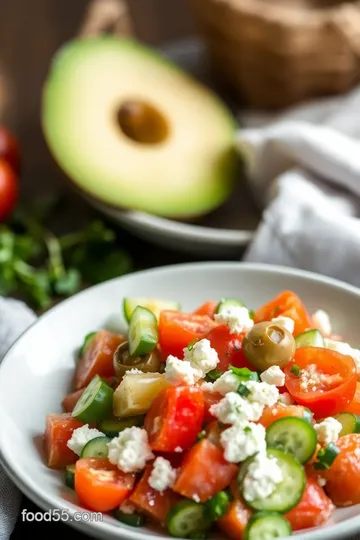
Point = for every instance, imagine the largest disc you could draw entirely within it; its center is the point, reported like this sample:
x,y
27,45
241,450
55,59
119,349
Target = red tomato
x,y
100,485
229,348
177,330
208,308
210,398
314,509
271,414
58,430
9,149
287,304
148,501
354,405
343,477
337,384
204,472
71,400
175,418
234,522
98,358
213,433
9,191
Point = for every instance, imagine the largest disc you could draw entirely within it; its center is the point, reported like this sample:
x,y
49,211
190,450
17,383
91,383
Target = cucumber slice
x,y
186,518
152,304
134,520
97,447
350,423
143,332
70,476
267,525
228,302
288,493
95,403
293,435
112,428
310,338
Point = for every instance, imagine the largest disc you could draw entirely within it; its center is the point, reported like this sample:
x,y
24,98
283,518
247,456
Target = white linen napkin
x,y
15,318
304,171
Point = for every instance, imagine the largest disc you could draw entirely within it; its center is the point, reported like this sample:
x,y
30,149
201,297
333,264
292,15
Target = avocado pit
x,y
142,122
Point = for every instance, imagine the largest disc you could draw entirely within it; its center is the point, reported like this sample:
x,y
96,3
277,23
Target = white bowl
x,y
37,371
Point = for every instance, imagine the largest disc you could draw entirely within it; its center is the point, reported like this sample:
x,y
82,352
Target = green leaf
x,y
86,342
214,374
69,283
114,264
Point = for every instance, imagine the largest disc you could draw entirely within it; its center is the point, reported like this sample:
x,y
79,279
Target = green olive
x,y
123,361
268,344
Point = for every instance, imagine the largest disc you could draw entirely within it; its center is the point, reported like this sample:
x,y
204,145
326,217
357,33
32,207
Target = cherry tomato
x,y
208,308
271,414
287,304
343,477
203,482
229,348
326,383
354,405
9,191
314,509
9,149
177,330
175,418
100,485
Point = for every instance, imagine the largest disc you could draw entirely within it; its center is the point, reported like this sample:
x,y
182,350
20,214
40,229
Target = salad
x,y
228,419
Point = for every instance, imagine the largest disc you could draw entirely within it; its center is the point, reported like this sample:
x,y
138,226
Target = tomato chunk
x,y
71,400
177,330
354,405
148,501
271,414
100,485
175,418
343,477
210,398
287,304
229,348
208,308
314,509
233,523
58,430
326,383
204,472
98,358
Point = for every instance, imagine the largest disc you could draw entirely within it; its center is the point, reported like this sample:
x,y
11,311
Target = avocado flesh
x,y
186,175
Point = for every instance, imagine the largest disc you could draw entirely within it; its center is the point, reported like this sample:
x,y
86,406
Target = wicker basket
x,y
277,53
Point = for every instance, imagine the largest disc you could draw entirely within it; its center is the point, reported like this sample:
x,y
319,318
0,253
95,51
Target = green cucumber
x,y
95,403
187,518
134,520
293,435
310,338
228,302
266,526
86,343
97,447
70,476
287,493
152,304
143,332
112,427
350,423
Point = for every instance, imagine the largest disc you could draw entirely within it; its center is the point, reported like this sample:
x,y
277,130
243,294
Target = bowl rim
x,y
101,529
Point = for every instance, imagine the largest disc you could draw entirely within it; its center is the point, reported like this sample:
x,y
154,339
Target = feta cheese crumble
x,y
233,409
273,375
262,393
207,387
328,430
285,399
262,477
312,379
344,348
81,436
321,321
242,441
181,372
130,450
286,322
127,508
228,382
236,318
202,356
162,475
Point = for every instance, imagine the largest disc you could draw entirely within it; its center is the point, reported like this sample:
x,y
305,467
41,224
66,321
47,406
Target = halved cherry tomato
x,y
271,414
58,430
354,405
10,149
208,308
177,330
314,508
234,522
71,400
229,348
287,304
204,472
9,190
336,386
210,398
343,477
98,358
175,418
100,485
147,500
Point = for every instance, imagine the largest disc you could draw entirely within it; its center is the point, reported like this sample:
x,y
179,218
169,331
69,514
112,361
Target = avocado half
x,y
134,131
